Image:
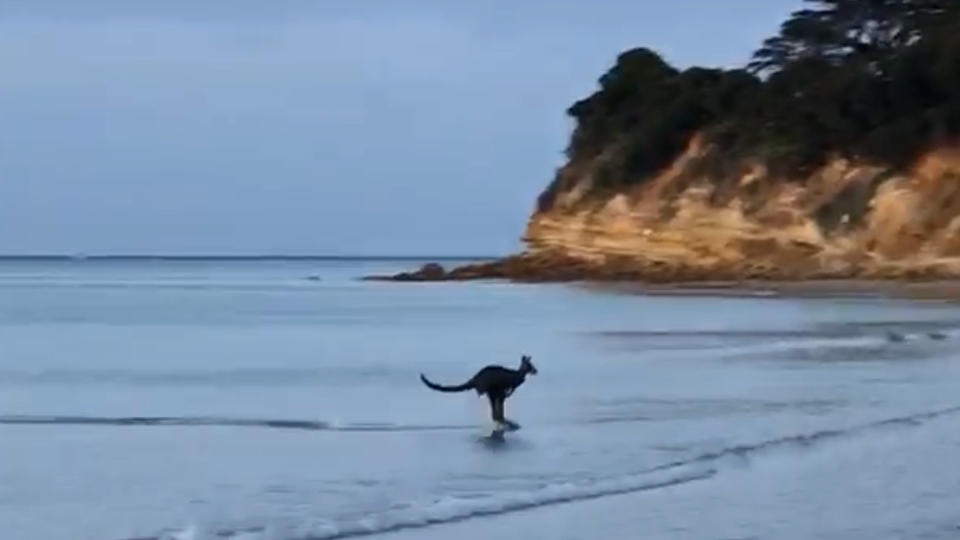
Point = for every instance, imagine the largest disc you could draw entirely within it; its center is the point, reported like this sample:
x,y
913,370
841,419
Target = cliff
x,y
844,220
834,154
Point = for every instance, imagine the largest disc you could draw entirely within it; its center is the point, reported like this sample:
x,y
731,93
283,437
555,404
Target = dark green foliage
x,y
873,80
871,31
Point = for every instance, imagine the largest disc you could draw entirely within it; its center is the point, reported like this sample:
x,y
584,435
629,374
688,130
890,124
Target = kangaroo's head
x,y
527,366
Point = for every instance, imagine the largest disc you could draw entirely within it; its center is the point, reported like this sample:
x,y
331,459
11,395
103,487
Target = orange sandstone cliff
x,y
845,220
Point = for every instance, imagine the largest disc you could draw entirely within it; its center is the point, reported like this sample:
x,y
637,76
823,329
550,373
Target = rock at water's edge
x,y
427,272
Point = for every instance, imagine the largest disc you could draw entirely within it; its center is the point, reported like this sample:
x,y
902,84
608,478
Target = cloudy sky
x,y
321,126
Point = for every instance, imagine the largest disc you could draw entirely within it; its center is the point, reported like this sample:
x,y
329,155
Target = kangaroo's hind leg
x,y
496,407
501,400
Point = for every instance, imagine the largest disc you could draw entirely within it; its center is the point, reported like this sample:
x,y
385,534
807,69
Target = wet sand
x,y
945,290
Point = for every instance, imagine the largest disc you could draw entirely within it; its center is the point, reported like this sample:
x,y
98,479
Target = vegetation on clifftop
x,y
870,80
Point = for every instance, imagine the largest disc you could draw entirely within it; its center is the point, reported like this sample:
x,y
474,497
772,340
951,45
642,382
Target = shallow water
x,y
240,399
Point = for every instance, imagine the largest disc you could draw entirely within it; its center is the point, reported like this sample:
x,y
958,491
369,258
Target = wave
x,y
323,425
247,376
311,425
280,285
815,344
807,440
731,333
824,330
453,509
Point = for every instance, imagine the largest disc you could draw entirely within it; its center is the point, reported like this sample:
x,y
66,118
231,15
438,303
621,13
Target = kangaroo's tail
x,y
441,388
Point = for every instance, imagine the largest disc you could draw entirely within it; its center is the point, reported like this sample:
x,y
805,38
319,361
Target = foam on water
x,y
197,421
452,509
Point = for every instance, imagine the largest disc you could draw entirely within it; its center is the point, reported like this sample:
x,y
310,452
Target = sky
x,y
421,127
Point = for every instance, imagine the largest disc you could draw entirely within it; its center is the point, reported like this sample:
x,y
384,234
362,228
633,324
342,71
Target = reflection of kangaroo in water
x,y
497,382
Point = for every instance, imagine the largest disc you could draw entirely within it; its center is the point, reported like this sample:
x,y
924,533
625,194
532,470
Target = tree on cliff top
x,y
867,79
839,30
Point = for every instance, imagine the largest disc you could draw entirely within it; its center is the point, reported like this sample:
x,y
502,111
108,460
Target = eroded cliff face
x,y
844,220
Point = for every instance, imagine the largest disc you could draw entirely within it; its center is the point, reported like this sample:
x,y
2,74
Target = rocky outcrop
x,y
436,272
427,272
847,220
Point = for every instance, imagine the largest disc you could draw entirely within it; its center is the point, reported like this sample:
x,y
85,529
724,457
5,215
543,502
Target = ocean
x,y
279,399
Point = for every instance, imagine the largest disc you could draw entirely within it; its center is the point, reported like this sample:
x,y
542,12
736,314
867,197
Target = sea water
x,y
280,399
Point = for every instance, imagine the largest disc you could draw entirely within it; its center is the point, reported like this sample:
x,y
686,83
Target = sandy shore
x,y
507,269
946,290
640,277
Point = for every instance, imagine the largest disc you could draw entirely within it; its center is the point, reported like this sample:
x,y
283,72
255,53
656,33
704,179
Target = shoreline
x,y
523,268
947,290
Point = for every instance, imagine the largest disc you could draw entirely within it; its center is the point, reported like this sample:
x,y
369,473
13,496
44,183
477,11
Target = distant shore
x,y
519,269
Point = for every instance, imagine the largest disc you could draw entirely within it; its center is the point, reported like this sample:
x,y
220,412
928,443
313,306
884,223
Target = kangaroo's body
x,y
497,382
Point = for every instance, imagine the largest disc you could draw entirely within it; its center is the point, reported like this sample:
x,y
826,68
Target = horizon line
x,y
235,256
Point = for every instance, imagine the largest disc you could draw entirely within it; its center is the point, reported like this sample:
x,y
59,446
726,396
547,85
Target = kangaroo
x,y
497,382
